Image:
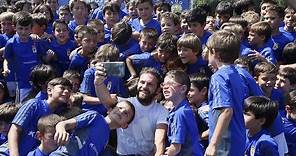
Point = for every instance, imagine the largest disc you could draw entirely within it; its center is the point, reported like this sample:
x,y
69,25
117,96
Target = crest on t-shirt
x,y
252,151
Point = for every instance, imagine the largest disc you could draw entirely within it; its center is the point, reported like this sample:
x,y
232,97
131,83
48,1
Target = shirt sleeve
x,y
267,148
26,114
85,119
222,96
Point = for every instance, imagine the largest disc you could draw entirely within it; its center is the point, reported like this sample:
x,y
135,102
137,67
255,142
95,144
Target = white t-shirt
x,y
138,138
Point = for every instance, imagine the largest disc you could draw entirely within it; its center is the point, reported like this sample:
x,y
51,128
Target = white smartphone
x,y
115,68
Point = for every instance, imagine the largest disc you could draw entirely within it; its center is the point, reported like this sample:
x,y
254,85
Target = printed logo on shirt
x,y
34,49
252,151
275,46
68,52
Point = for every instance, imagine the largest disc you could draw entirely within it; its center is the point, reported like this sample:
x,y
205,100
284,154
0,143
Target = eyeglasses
x,y
170,84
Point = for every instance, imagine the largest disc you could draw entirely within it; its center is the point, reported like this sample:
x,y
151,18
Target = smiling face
x,y
122,114
266,81
147,88
23,31
61,33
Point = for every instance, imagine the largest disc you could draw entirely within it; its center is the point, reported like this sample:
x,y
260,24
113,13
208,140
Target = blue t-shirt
x,y
22,57
268,53
114,84
62,52
72,25
41,96
3,39
291,35
278,96
200,66
228,90
182,129
145,60
79,62
37,152
204,38
3,138
280,40
90,137
138,27
130,48
290,134
261,144
98,14
27,118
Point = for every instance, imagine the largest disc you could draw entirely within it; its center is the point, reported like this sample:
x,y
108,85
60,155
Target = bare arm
x,y
159,138
173,149
101,89
130,67
222,125
13,139
61,135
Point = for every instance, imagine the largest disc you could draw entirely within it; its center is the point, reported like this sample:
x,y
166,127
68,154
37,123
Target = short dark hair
x,y
241,5
167,42
264,67
224,8
40,19
41,74
38,9
121,33
149,33
226,44
22,18
8,111
60,81
71,74
291,99
288,73
171,16
113,7
200,80
57,22
144,1
153,72
289,53
197,14
133,109
262,107
162,4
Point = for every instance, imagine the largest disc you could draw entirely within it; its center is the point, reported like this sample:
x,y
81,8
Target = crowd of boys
x,y
203,81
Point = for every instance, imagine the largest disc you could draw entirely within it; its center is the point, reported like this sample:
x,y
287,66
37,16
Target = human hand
x,y
100,74
211,150
61,136
255,55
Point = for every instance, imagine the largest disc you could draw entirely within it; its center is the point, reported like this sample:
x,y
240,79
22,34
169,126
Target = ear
x,y
39,135
49,90
262,37
288,109
262,121
204,91
184,89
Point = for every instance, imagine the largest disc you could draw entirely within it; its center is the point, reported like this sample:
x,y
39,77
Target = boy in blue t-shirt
x,y
21,136
22,52
290,122
145,20
7,113
115,85
81,56
198,99
189,51
45,134
7,27
98,25
61,46
111,17
259,114
286,80
85,139
80,15
182,131
169,23
261,44
288,28
274,16
148,38
196,20
227,91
